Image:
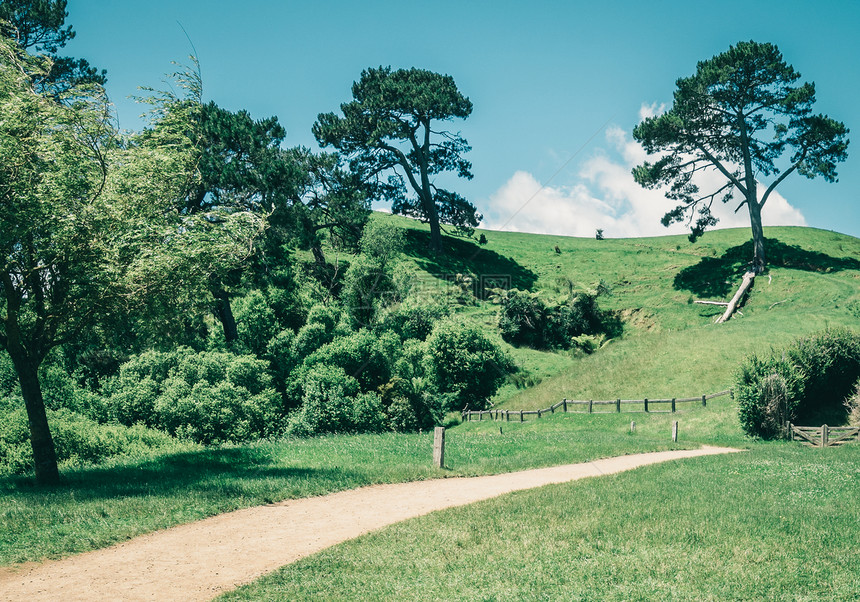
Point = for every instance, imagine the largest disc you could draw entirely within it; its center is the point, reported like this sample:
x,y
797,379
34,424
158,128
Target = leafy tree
x,y
388,129
87,231
462,361
243,168
738,115
39,26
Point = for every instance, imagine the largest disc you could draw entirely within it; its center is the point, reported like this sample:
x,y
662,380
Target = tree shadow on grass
x,y
716,277
487,268
221,473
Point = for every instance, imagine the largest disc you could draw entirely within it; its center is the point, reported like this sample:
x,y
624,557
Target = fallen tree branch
x,y
745,285
723,303
777,303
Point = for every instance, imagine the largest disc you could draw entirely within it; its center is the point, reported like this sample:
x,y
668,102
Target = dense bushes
x,y
525,319
206,397
807,383
78,440
466,364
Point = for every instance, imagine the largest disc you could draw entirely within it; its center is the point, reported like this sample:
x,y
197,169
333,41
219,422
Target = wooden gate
x,y
823,436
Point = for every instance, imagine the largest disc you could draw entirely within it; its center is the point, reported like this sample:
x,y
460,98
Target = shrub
x,y
413,321
255,321
806,383
462,361
78,440
207,397
363,355
328,402
368,287
524,319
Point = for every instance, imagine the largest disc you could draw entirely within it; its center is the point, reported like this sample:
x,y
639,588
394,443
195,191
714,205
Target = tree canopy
x,y
387,129
88,227
39,26
743,115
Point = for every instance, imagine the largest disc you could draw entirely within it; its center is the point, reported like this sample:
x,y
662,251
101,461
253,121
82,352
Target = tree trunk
x,y
225,314
758,237
435,230
319,256
44,454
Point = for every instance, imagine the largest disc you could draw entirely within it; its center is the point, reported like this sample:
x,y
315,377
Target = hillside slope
x,y
671,346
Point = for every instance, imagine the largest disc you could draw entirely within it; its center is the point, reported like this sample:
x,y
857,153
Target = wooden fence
x,y
571,405
823,436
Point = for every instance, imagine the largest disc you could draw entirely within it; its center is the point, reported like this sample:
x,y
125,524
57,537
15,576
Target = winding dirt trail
x,y
200,560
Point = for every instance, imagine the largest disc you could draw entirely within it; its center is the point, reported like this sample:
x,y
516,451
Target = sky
x,y
557,87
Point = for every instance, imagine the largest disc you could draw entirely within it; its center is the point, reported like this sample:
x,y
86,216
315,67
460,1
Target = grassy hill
x,y
670,346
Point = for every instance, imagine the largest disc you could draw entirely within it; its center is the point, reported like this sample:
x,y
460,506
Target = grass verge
x,y
94,508
778,522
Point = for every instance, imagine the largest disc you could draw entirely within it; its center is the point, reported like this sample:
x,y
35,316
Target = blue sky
x,y
557,87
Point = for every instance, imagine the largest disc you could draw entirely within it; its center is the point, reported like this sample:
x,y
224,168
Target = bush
x,y
363,355
255,321
413,321
526,320
207,397
806,383
462,361
78,441
331,404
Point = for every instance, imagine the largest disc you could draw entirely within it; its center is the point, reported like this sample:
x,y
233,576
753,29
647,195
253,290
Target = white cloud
x,y
608,198
651,110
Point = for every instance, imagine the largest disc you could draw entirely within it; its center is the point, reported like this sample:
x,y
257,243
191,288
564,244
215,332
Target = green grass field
x,y
776,522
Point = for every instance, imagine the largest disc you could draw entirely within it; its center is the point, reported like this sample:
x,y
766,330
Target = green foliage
x,y
525,319
806,383
79,441
368,288
206,397
331,403
386,128
363,355
413,319
255,321
462,361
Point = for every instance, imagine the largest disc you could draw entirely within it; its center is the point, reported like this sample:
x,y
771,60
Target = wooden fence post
x,y
565,406
507,416
704,401
538,413
618,406
673,405
439,447
590,404
521,415
633,426
646,404
824,435
675,431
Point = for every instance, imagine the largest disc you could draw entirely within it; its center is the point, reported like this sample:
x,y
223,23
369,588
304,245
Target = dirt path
x,y
200,560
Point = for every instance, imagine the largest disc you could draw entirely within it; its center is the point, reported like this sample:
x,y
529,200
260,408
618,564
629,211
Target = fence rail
x,y
568,405
823,436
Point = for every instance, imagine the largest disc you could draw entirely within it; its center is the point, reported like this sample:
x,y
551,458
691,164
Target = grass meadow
x,y
777,522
